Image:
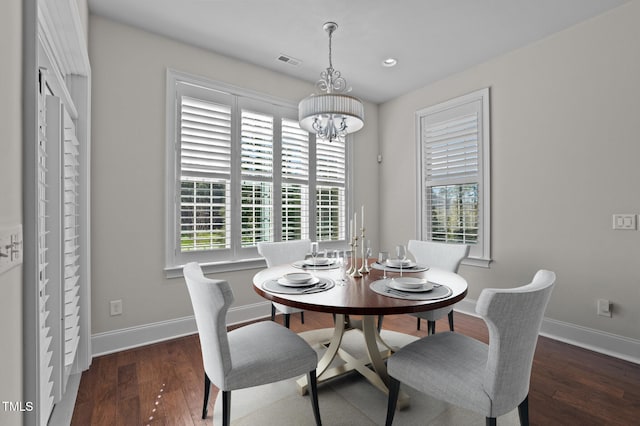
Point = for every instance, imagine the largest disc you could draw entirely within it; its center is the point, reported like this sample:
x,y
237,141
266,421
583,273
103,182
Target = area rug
x,y
349,400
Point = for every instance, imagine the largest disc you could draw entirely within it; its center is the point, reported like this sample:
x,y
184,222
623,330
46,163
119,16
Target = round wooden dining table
x,y
351,297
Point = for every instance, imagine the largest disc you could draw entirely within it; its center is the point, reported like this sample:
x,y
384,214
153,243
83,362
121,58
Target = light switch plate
x,y
624,221
10,247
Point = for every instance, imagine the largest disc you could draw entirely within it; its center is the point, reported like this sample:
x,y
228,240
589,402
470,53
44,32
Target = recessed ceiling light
x,y
389,62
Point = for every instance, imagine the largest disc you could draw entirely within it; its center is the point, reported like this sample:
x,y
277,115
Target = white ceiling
x,y
431,39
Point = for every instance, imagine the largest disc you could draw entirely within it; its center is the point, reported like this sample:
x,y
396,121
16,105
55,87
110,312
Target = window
x,y
244,172
453,144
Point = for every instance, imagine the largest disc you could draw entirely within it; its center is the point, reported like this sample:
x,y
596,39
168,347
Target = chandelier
x,y
331,115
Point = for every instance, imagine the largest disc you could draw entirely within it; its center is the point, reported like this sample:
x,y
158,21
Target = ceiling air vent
x,y
289,60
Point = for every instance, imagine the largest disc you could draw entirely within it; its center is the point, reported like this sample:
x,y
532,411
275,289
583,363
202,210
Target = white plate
x,y
319,261
285,282
298,277
396,263
409,282
396,286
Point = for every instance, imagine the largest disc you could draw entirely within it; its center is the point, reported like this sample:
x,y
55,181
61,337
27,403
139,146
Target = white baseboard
x,y
133,337
588,338
594,340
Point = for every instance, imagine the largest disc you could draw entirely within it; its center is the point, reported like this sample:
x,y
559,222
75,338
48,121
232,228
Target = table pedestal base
x,y
372,367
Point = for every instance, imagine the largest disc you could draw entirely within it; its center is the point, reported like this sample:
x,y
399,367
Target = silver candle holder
x,y
353,270
364,269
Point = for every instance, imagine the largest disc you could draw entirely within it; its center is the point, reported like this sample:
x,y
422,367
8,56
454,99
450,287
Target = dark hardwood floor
x,y
162,384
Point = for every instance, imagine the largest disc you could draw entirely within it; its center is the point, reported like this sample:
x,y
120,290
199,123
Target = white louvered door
x,y
45,317
70,246
59,253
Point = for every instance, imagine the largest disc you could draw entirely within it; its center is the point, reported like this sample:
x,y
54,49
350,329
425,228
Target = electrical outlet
x,y
115,307
604,308
624,221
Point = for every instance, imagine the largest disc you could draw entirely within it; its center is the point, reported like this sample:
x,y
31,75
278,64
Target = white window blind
x,y
243,175
295,181
450,158
454,157
205,143
205,166
451,148
257,133
331,190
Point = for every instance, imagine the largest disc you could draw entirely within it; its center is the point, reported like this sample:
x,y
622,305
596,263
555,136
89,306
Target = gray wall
x,y
11,202
128,168
565,152
564,155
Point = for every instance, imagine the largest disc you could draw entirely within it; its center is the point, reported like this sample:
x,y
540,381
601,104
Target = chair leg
x,y
226,408
450,320
491,421
302,317
523,412
207,388
431,327
313,393
273,312
394,391
418,323
380,319
287,320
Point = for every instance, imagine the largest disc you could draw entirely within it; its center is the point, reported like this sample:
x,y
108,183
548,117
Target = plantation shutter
x,y
451,137
295,181
245,172
205,172
451,149
70,245
58,249
46,315
257,135
450,169
330,190
205,139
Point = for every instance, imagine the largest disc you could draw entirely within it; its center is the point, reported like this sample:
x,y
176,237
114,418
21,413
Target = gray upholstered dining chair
x,y
279,253
253,355
489,379
439,255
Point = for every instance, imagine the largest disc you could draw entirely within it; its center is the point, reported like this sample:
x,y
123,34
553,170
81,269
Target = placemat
x,y
301,265
439,291
417,268
274,287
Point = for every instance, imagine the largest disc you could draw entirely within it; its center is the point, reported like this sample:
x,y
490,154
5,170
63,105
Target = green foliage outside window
x,y
454,213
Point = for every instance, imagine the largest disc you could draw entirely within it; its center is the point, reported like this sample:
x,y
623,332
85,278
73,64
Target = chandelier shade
x,y
333,114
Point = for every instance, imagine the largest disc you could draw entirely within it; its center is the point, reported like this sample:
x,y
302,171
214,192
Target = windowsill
x,y
259,263
476,261
218,267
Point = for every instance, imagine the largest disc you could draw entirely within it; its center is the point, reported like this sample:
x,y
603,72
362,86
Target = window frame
x,y
236,258
482,255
